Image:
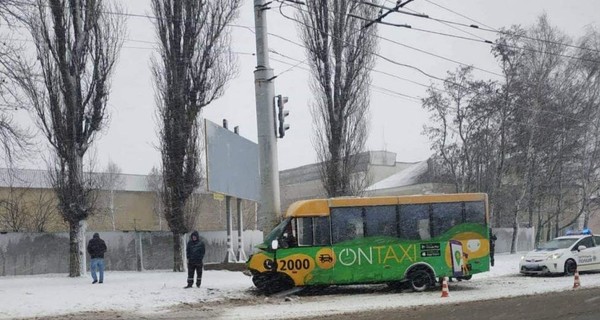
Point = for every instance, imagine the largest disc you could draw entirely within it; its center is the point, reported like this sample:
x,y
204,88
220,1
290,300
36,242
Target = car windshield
x,y
557,244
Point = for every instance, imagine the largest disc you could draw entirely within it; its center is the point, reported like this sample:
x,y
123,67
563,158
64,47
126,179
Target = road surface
x,y
581,304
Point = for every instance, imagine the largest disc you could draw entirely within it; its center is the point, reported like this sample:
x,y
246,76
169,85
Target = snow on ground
x,y
153,292
143,292
502,281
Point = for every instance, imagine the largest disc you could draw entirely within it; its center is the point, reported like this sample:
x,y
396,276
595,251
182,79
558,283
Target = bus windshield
x,y
277,232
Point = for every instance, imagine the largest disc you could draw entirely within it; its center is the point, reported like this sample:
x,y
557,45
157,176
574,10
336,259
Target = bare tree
x,y
193,69
340,54
111,181
13,212
15,141
77,44
42,211
155,184
461,129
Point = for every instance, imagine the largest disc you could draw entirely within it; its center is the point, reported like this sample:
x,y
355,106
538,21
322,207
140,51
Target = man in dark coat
x,y
195,254
96,248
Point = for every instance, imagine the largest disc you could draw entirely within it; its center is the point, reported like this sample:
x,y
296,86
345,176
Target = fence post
x,y
139,251
241,256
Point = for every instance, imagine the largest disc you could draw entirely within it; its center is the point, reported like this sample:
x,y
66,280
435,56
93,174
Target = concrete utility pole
x,y
269,209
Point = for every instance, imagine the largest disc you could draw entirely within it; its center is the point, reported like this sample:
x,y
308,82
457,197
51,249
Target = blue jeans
x,y
97,264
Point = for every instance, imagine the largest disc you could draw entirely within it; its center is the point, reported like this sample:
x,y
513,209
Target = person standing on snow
x,y
96,248
195,254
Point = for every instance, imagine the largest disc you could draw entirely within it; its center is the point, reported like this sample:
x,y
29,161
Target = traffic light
x,y
281,114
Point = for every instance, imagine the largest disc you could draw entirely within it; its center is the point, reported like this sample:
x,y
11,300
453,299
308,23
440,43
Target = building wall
x,y
133,210
305,182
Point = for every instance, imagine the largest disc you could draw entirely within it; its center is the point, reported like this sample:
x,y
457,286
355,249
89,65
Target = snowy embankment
x,y
153,292
143,292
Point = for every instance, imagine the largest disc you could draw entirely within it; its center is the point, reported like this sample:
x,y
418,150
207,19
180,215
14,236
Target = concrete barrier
x,y
39,253
525,239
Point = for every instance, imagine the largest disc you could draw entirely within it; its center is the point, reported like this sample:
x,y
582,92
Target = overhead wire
x,y
495,30
450,25
372,52
451,82
293,66
303,62
480,40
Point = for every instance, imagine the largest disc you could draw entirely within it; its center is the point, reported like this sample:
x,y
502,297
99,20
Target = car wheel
x,y
420,279
570,267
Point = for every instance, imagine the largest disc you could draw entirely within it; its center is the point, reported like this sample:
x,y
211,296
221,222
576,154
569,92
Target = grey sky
x,y
396,122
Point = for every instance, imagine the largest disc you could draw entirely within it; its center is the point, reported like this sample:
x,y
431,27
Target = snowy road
x,y
230,295
572,305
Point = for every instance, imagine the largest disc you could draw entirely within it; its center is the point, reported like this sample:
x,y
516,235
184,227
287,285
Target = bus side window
x,y
346,224
414,222
322,231
305,231
446,216
381,221
475,212
423,227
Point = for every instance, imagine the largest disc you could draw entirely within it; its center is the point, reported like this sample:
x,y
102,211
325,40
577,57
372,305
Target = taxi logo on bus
x,y
325,258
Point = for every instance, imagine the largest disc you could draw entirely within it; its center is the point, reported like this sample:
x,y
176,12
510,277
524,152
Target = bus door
x,y
305,252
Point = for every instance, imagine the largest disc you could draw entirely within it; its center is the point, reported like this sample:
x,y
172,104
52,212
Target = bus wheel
x,y
281,282
262,281
420,279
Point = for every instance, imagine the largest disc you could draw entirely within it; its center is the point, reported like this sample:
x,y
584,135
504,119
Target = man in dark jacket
x,y
96,248
195,254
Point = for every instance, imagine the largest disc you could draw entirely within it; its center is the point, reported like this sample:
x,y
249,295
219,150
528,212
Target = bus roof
x,y
321,207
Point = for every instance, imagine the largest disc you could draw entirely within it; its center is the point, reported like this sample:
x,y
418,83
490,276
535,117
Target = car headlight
x,y
522,257
554,256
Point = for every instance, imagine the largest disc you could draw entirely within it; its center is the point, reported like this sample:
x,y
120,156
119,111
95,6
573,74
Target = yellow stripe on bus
x,y
321,207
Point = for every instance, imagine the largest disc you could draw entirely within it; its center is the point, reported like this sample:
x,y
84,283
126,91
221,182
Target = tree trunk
x,y
515,227
178,252
74,255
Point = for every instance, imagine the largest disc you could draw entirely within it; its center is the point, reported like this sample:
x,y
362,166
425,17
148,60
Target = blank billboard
x,y
231,163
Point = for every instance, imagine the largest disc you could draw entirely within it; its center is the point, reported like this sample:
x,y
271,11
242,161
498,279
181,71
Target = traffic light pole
x,y
269,208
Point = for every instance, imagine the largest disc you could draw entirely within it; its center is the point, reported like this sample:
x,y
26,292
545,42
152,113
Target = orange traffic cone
x,y
576,284
445,288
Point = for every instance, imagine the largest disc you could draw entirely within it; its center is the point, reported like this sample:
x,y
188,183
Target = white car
x,y
564,255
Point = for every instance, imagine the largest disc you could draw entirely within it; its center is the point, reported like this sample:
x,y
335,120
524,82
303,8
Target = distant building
x,y
384,174
27,201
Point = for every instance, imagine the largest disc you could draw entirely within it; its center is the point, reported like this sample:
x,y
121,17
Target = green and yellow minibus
x,y
400,240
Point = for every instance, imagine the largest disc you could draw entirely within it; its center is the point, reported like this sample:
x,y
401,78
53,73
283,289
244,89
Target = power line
x,y
435,4
297,66
480,40
451,82
303,62
437,89
495,30
399,4
431,53
372,52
